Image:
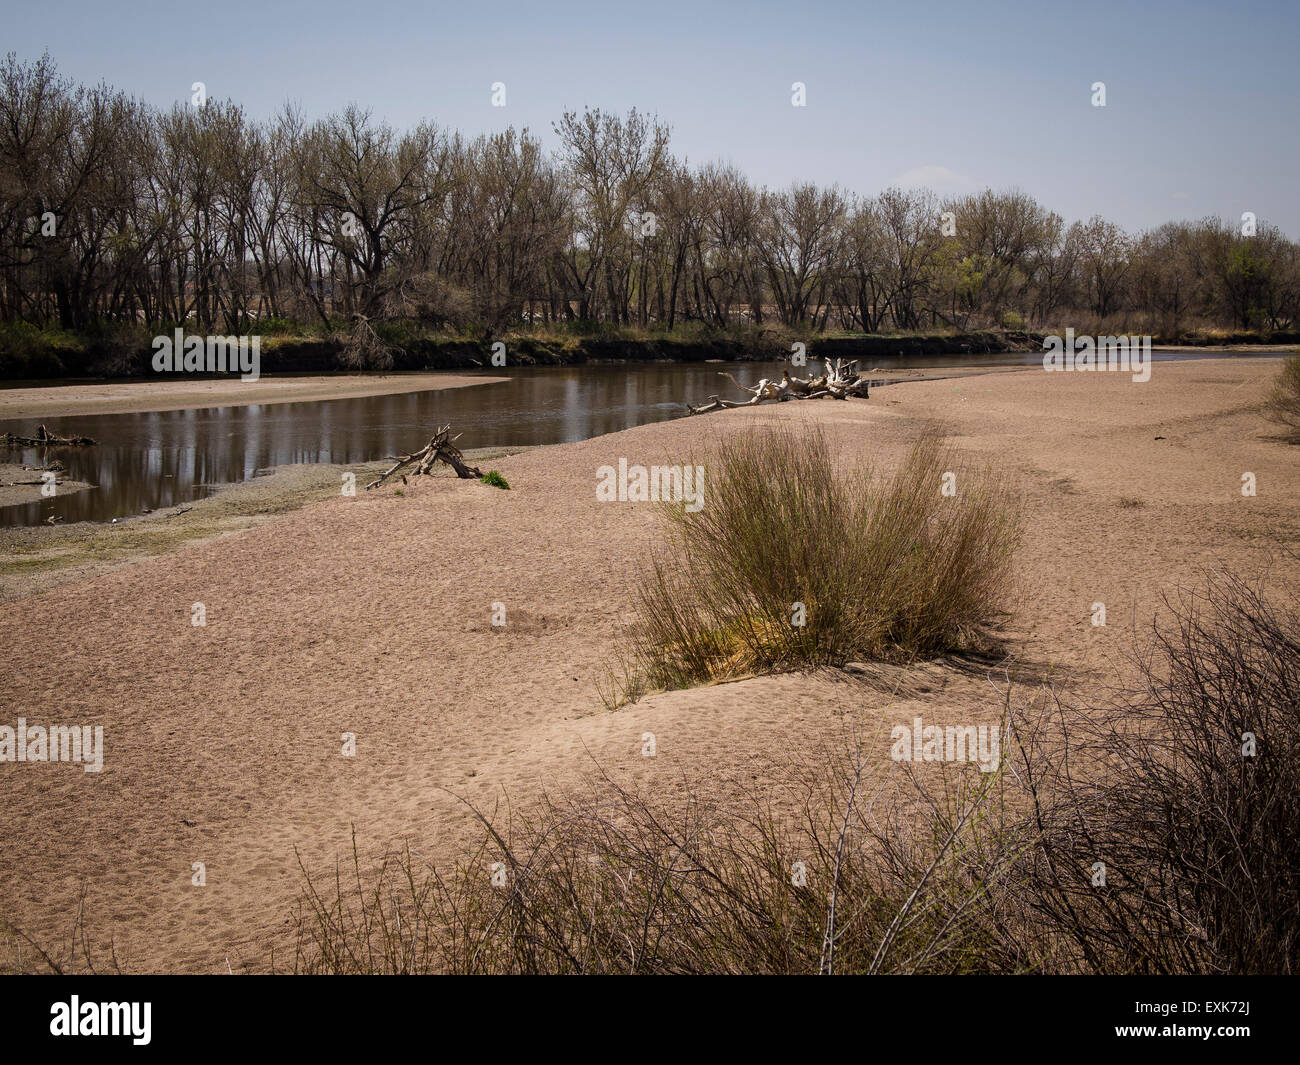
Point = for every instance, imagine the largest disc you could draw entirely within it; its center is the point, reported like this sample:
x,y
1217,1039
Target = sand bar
x,y
371,615
125,397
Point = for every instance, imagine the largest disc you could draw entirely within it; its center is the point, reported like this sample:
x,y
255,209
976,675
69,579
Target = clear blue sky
x,y
1202,115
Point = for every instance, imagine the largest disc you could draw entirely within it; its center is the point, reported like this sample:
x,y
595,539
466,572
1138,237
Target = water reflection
x,y
164,458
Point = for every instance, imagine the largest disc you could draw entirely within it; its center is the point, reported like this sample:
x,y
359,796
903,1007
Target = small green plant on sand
x,y
495,479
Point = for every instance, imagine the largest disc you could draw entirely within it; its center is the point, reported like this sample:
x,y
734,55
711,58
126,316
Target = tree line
x,y
113,211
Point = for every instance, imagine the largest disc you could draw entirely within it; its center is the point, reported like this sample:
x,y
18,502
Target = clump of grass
x,y
797,560
1283,402
610,880
956,871
1185,793
495,479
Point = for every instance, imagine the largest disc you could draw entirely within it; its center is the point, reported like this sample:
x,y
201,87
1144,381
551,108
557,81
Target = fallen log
x,y
440,448
840,381
45,438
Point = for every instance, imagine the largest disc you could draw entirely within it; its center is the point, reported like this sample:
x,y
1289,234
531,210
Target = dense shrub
x,y
796,560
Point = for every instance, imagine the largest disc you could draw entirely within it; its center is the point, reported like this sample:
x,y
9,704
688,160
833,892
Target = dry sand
x,y
126,397
371,615
23,484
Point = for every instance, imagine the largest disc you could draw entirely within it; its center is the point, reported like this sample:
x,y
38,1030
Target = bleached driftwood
x,y
839,381
439,449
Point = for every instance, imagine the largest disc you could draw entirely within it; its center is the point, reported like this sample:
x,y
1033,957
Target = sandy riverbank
x,y
371,615
34,559
125,397
23,484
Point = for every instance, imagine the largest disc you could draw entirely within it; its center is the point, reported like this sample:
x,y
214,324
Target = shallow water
x,y
164,458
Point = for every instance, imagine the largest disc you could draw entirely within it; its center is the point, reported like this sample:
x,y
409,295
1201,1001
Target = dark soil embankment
x,y
34,355
65,356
